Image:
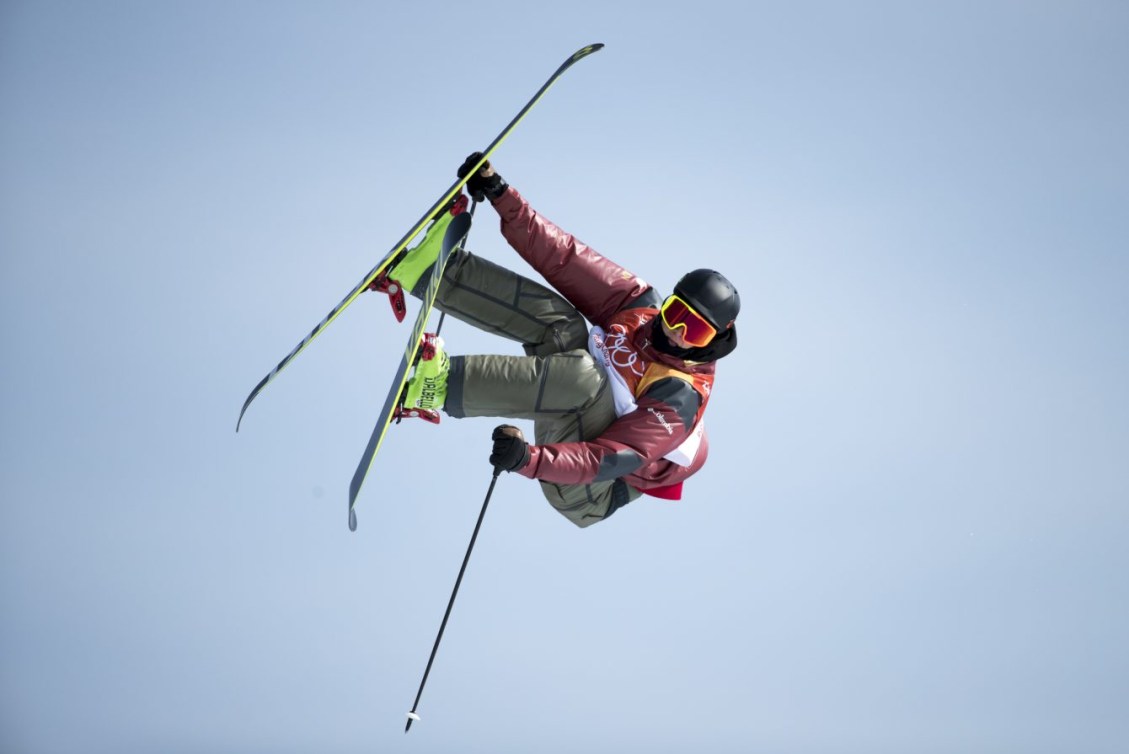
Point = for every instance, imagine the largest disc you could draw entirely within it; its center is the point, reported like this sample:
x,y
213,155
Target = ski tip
x,y
352,520
586,51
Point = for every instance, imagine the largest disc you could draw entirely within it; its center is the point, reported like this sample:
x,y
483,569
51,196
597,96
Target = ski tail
x,y
453,238
345,302
298,349
430,215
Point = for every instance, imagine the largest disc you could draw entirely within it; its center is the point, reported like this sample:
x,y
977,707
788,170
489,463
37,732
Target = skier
x,y
616,409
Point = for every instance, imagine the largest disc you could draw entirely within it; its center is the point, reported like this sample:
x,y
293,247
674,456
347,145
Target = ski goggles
x,y
696,331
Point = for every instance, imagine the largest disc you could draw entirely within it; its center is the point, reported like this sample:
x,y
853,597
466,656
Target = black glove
x,y
511,451
480,186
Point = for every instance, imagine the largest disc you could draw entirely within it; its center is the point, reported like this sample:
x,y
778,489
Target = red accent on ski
x,y
428,346
426,414
460,205
395,291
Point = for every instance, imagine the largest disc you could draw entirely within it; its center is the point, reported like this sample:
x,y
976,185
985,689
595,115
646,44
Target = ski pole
x,y
412,716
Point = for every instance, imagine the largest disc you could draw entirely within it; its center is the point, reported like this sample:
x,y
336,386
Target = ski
x,y
453,237
392,256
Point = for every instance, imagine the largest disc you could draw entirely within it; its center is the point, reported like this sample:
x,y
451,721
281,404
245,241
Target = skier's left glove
x,y
511,451
485,183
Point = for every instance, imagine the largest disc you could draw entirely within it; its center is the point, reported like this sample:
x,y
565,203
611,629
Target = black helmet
x,y
711,295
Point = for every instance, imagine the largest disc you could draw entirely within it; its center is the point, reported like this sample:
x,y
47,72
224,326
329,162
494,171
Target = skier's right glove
x,y
482,186
511,451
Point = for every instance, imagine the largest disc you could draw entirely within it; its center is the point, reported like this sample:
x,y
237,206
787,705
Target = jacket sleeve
x,y
662,422
596,286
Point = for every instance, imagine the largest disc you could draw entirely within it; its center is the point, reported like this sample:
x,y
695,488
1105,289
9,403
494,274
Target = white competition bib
x,y
609,358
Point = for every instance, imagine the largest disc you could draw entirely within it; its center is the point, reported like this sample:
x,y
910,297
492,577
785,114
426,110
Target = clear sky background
x,y
911,532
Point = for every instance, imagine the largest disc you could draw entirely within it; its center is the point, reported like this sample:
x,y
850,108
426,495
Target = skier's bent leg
x,y
499,301
561,387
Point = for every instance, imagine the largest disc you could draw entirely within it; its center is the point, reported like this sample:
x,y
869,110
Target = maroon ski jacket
x,y
669,394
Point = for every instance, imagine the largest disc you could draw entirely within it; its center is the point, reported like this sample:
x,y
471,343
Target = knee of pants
x,y
566,334
574,382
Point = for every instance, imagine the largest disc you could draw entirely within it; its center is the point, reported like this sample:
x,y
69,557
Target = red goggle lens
x,y
696,331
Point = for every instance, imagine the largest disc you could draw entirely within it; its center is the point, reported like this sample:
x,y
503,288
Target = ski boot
x,y
410,265
426,390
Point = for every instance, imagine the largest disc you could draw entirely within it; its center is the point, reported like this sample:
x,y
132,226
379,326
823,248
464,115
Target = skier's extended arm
x,y
596,286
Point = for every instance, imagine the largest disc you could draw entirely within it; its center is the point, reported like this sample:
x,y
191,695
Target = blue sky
x,y
909,536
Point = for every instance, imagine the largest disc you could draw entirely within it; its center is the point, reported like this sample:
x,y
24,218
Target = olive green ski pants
x,y
557,384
